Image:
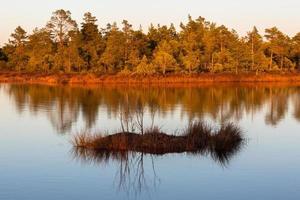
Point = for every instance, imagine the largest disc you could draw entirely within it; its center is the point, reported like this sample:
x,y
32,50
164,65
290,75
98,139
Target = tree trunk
x,y
252,54
271,61
221,46
212,62
69,61
60,36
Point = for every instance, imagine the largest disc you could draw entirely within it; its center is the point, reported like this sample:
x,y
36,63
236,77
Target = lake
x,y
38,161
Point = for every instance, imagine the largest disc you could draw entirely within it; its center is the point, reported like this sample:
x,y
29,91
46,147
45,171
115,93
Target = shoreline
x,y
90,79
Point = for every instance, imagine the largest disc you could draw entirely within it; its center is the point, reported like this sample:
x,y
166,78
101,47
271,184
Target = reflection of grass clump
x,y
196,138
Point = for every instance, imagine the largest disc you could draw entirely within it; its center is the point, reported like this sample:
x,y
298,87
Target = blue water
x,y
37,160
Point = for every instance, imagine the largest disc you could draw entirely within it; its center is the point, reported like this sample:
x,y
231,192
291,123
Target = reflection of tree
x,y
62,117
131,176
296,100
20,96
220,103
278,107
89,103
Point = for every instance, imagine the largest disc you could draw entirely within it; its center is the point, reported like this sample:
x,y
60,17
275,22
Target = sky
x,y
240,15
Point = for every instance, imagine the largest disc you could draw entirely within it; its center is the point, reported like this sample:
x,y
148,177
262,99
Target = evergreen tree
x,y
163,57
224,56
210,45
160,33
192,36
92,45
137,48
60,26
278,47
16,49
240,56
144,67
295,52
127,34
113,57
40,51
73,59
255,45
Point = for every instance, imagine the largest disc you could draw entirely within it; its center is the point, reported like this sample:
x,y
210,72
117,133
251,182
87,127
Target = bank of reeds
x,y
90,78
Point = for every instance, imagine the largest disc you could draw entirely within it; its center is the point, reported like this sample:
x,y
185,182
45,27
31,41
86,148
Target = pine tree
x,y
60,24
255,45
191,39
144,67
113,57
40,50
278,47
224,56
127,32
163,57
295,52
16,49
92,45
74,61
210,45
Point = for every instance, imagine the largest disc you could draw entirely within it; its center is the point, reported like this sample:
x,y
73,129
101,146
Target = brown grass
x,y
63,78
198,137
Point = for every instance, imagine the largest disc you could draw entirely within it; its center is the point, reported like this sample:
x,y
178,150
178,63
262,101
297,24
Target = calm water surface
x,y
37,160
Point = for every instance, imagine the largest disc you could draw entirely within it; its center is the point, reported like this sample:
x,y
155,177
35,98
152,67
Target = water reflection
x,y
131,173
131,176
257,109
136,141
220,103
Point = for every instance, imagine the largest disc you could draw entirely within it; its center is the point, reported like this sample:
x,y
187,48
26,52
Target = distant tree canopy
x,y
199,46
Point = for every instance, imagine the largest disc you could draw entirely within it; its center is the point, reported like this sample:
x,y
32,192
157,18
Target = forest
x,y
200,46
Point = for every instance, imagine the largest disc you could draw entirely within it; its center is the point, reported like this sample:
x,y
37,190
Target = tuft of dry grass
x,y
226,142
85,140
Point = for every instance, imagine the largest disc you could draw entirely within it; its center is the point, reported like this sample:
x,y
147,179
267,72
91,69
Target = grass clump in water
x,y
196,138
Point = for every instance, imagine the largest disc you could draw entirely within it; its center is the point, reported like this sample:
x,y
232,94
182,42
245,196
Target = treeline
x,y
200,46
